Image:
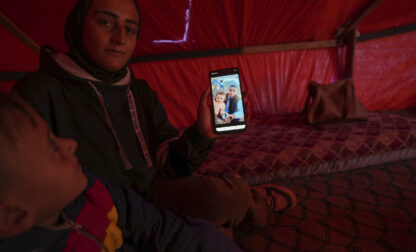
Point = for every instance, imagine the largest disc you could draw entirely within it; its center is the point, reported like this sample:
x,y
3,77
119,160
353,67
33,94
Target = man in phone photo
x,y
234,105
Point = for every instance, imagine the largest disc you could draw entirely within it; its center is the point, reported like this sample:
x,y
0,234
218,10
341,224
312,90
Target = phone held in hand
x,y
228,114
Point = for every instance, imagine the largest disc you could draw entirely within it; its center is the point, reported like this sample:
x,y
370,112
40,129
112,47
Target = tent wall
x,y
16,56
384,70
6,86
385,77
172,26
275,81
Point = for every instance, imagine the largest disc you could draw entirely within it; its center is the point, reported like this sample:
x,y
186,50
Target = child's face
x,y
50,176
219,98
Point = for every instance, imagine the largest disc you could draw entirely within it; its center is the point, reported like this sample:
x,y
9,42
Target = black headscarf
x,y
74,36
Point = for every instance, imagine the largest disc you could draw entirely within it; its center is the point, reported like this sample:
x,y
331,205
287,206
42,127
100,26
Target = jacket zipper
x,y
80,230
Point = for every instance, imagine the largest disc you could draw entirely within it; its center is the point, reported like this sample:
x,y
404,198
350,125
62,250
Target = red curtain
x,y
385,72
389,14
218,24
6,86
189,25
15,56
384,68
276,82
385,77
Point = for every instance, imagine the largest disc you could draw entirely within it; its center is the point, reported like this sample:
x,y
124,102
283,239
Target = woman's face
x,y
110,32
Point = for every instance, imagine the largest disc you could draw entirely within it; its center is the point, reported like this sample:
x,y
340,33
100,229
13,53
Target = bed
x,y
285,146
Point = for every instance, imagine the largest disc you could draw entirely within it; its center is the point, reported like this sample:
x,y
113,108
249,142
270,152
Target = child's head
x,y
39,174
220,97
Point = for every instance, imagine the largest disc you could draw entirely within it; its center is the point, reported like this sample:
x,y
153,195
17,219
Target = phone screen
x,y
227,101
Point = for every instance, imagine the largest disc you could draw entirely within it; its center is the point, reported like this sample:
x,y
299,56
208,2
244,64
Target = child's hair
x,y
219,93
8,134
9,105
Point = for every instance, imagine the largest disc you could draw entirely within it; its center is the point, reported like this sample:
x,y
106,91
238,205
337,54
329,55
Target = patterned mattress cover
x,y
286,146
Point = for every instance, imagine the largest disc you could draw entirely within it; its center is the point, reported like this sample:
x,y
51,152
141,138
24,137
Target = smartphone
x,y
228,114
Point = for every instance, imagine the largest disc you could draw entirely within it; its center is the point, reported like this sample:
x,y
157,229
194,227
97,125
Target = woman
x,y
91,95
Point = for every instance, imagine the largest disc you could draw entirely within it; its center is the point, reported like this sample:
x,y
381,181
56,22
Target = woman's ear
x,y
14,219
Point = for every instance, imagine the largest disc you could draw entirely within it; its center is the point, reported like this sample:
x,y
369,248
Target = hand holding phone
x,y
227,101
204,115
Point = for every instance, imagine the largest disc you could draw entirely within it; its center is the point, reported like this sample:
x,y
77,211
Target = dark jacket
x,y
72,109
108,217
233,101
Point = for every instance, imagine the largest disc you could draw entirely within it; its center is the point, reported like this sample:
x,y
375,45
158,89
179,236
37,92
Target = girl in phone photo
x,y
219,107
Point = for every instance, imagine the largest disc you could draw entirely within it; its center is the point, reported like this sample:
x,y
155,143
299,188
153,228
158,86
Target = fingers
x,y
205,97
246,94
206,93
247,105
204,115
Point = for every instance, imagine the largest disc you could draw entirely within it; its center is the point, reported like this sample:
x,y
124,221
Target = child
x,y
219,104
48,202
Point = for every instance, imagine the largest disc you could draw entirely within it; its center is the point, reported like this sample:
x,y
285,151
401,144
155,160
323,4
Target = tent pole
x,y
11,27
350,41
352,23
347,35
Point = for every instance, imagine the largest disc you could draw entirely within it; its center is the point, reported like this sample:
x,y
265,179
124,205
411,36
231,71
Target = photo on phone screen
x,y
227,101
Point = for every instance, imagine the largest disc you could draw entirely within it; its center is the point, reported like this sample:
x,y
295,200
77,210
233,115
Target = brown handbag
x,y
333,104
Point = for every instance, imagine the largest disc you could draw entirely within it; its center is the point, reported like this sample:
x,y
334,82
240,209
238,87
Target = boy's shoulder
x,y
92,214
102,188
97,211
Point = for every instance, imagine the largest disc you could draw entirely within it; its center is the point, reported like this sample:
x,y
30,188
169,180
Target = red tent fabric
x,y
384,67
191,25
16,56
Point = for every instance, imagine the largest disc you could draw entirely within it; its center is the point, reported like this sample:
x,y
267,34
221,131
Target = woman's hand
x,y
204,122
247,105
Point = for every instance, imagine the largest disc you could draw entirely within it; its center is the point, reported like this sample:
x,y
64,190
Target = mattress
x,y
285,146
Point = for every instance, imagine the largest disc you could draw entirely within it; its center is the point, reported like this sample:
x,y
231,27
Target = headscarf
x,y
74,36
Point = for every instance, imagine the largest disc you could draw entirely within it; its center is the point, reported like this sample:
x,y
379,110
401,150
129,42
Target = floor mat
x,y
367,209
